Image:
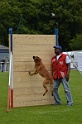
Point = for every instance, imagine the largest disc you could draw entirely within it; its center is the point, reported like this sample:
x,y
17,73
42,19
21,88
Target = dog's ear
x,y
33,57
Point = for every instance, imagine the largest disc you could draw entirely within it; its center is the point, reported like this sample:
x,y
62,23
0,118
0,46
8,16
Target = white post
x,y
11,66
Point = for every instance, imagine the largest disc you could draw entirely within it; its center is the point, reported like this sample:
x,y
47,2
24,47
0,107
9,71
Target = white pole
x,y
10,87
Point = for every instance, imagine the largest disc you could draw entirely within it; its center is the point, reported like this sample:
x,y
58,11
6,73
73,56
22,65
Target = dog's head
x,y
36,59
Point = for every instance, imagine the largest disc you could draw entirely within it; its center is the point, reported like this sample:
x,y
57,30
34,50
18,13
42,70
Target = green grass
x,y
44,114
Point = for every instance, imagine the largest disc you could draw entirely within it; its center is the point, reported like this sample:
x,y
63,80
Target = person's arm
x,y
68,71
68,67
51,68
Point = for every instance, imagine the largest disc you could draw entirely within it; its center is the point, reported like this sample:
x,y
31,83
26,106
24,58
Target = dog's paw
x,y
29,72
52,94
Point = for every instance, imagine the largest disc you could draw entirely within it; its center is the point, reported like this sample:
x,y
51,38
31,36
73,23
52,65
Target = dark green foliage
x,y
76,43
34,17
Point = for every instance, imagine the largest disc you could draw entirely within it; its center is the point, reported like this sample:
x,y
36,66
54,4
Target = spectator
x,y
3,63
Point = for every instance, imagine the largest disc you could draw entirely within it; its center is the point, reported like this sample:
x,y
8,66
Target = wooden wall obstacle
x,y
28,90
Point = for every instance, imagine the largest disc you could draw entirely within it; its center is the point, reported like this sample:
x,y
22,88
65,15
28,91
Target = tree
x,y
69,20
8,18
34,17
76,43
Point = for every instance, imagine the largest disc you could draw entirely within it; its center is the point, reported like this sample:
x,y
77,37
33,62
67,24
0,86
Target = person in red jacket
x,y
61,71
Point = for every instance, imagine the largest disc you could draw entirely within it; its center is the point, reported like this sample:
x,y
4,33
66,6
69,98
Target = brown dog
x,y
40,69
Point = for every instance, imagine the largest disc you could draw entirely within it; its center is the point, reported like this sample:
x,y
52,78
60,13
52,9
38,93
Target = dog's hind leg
x,y
45,87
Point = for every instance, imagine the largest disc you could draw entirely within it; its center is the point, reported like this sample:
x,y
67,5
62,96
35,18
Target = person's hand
x,y
67,77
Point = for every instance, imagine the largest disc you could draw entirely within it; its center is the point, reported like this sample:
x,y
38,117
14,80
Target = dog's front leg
x,y
33,73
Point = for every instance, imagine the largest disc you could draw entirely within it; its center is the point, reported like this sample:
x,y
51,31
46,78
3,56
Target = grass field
x,y
44,114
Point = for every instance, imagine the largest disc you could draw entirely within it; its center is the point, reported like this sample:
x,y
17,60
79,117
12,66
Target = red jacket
x,y
59,67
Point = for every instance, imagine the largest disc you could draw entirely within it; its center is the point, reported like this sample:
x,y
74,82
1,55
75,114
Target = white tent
x,y
76,60
80,61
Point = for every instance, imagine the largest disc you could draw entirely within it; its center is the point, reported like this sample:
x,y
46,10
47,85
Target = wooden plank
x,y
23,66
32,97
33,39
33,53
31,90
27,66
29,58
25,77
28,48
28,84
31,82
33,103
34,84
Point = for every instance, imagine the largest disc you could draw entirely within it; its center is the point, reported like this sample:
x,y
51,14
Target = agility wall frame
x,y
27,90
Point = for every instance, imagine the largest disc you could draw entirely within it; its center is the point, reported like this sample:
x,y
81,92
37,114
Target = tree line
x,y
35,17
